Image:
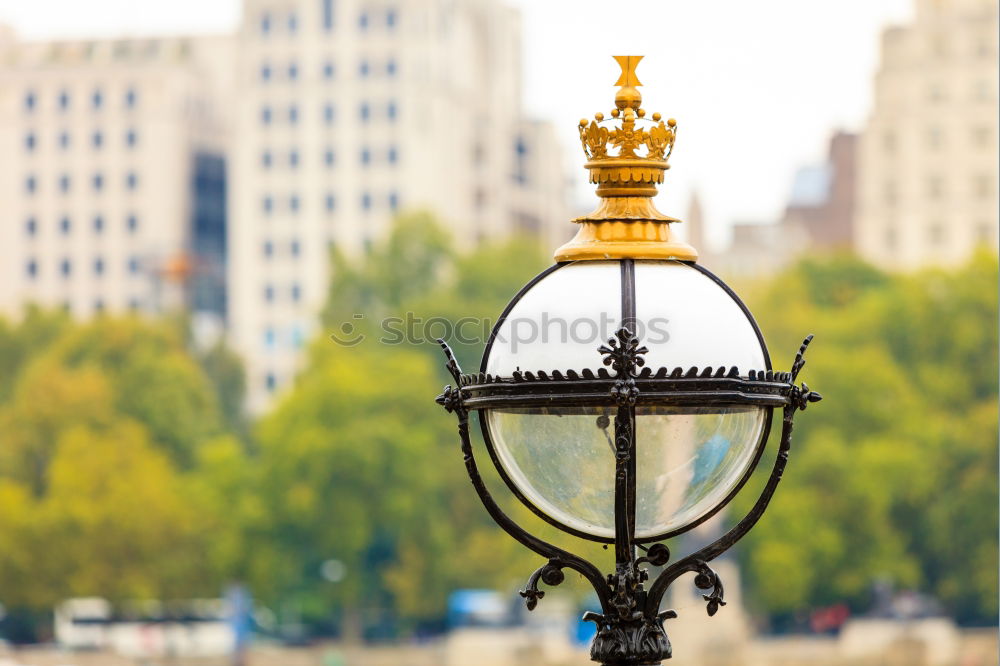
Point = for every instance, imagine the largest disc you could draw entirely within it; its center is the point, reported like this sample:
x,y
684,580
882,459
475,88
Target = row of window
x,y
64,100
366,201
982,187
938,234
980,137
293,159
65,267
271,294
328,112
64,182
269,72
366,19
31,226
97,141
269,250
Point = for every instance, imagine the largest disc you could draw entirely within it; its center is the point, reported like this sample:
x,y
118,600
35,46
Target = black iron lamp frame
x,y
630,626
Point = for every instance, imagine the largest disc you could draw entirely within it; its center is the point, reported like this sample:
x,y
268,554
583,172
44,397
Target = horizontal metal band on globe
x,y
506,393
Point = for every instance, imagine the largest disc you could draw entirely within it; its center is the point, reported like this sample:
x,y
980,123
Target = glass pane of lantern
x,y
686,319
687,462
561,321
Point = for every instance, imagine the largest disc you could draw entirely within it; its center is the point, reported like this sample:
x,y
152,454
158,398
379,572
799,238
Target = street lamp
x,y
641,438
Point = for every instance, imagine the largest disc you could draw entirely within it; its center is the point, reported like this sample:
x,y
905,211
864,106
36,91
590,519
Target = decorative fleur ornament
x,y
608,443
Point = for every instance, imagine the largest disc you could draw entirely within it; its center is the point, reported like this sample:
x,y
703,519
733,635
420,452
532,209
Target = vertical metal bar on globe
x,y
629,322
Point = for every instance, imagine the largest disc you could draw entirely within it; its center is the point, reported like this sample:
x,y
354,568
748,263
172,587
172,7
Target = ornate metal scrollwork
x,y
630,626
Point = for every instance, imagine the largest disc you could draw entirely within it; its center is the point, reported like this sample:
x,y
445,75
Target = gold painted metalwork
x,y
626,224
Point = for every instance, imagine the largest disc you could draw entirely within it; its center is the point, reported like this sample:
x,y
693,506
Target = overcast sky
x,y
756,87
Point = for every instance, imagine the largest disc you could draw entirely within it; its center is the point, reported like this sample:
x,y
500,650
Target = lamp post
x,y
641,438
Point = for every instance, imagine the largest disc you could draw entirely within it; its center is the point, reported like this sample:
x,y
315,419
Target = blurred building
x,y
819,217
349,112
928,161
217,173
113,177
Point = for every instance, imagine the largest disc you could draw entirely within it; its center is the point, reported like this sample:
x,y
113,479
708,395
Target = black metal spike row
x,y
630,626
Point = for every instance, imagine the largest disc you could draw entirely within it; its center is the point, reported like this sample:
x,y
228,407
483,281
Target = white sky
x,y
756,87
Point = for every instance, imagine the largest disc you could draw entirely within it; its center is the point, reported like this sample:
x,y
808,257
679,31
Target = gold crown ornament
x,y
626,224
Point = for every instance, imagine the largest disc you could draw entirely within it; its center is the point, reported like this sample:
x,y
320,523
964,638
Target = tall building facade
x,y
928,171
109,149
351,111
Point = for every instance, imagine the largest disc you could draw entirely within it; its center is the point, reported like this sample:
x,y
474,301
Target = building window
x,y
64,140
393,201
366,201
392,155
98,266
64,183
265,159
982,186
270,383
890,192
131,180
366,156
331,203
269,296
98,306
293,203
132,223
65,267
96,99
934,138
65,226
293,159
63,100
265,115
328,71
268,205
390,111
293,71
31,226
98,224
29,141
365,112
130,98
30,185
133,304
935,187
268,249
327,8
293,114
294,248
363,21
97,140
935,233
328,113
133,265
31,268
363,69
131,138
29,101
293,22
265,23
265,72
296,293
390,68
328,157
390,18
98,182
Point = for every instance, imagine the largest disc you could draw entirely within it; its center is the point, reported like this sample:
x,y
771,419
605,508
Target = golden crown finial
x,y
626,224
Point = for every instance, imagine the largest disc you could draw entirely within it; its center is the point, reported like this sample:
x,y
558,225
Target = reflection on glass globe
x,y
687,462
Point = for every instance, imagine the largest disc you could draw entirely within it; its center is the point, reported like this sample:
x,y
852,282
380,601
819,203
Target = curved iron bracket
x,y
551,572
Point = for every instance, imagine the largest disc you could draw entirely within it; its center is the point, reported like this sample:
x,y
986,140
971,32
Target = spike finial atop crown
x,y
626,224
